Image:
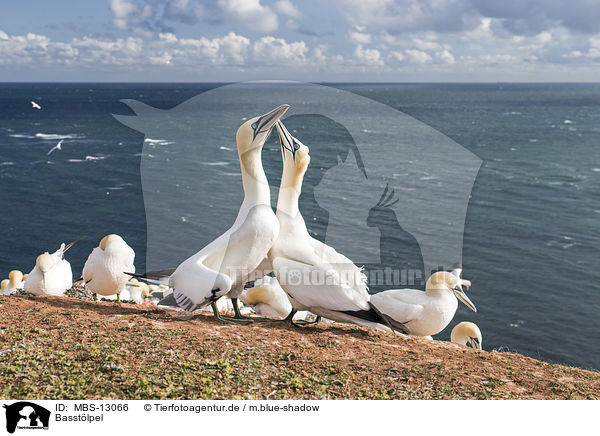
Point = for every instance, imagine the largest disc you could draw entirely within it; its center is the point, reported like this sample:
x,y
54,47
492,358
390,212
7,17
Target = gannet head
x,y
15,278
442,281
259,294
293,151
468,334
110,240
254,132
3,285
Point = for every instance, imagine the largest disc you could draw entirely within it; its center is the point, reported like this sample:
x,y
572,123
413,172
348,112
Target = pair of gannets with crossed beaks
x,y
239,255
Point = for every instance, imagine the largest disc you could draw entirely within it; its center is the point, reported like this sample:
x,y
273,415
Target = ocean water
x,y
532,223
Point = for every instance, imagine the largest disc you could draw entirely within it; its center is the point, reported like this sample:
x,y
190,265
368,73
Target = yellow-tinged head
x,y
259,294
4,284
45,262
468,334
444,281
109,240
15,277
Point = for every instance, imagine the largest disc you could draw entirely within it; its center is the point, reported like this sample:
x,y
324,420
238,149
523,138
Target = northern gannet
x,y
56,147
138,291
467,333
424,313
267,298
51,274
315,277
240,254
35,105
15,282
104,269
3,285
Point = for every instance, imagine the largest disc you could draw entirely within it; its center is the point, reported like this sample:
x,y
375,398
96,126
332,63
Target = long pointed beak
x,y
267,121
285,138
44,279
463,297
474,343
72,243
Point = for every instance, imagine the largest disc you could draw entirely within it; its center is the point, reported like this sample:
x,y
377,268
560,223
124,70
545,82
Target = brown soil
x,y
59,347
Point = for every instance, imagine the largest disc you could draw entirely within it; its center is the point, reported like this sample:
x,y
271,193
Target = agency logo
x,y
26,415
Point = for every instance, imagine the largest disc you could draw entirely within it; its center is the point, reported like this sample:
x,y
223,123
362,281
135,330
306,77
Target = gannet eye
x,y
457,288
296,146
254,125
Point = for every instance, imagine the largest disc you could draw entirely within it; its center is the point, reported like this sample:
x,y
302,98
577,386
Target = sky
x,y
309,40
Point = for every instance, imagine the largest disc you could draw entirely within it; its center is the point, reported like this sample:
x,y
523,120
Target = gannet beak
x,y
265,123
287,141
474,343
463,297
44,279
72,243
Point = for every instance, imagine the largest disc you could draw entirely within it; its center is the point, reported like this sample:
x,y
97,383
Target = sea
x,y
525,223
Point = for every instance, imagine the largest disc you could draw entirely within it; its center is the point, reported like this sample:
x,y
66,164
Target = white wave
x,y
225,148
95,157
215,164
596,170
533,140
16,135
56,136
75,160
512,113
568,122
6,163
157,141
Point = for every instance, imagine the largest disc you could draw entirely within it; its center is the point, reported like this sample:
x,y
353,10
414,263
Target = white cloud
x,y
358,37
446,57
418,56
251,14
278,52
286,7
368,56
121,10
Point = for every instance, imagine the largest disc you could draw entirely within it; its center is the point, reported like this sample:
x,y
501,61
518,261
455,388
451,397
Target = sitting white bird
x,y
138,291
424,313
51,274
14,283
239,255
3,286
467,333
267,298
104,269
315,277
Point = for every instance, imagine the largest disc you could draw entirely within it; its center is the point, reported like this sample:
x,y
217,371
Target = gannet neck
x,y
256,185
289,191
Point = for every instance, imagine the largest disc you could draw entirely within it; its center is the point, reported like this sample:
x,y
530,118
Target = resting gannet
x,y
237,256
51,274
424,313
3,286
467,334
15,282
104,269
267,298
315,277
138,291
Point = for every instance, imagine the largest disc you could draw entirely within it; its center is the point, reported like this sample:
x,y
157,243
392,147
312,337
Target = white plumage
x,y
424,313
314,276
51,274
240,254
267,298
13,283
104,271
